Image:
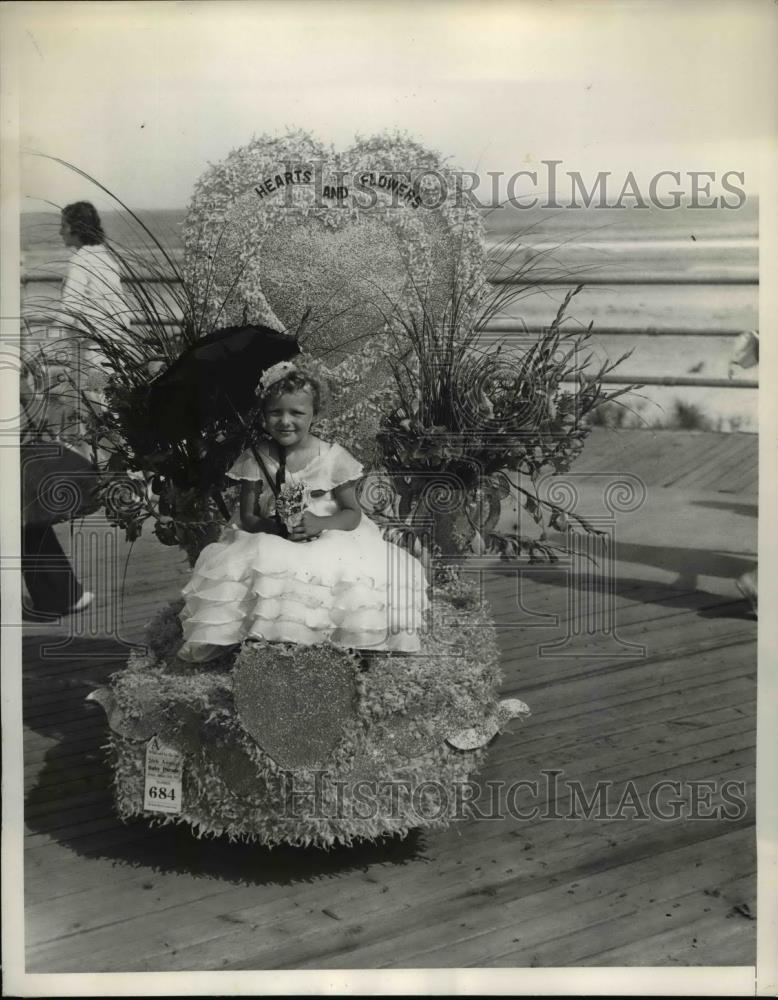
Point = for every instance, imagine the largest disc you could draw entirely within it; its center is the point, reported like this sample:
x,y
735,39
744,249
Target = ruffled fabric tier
x,y
351,588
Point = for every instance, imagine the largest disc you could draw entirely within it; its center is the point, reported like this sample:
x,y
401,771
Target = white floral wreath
x,y
305,365
274,374
227,225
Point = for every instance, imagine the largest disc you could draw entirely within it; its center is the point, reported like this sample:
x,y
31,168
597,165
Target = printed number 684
x,y
162,793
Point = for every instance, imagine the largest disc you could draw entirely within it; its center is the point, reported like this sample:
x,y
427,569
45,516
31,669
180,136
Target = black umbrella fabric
x,y
214,379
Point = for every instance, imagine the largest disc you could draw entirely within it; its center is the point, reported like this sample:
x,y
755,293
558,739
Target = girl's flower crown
x,y
274,374
308,367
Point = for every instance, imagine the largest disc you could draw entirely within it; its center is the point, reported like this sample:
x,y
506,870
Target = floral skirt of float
x,y
308,744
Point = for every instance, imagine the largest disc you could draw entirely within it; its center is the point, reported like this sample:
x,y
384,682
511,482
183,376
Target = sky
x,y
144,95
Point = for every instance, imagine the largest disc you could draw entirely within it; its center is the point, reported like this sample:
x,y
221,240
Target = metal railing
x,y
507,327
553,280
671,380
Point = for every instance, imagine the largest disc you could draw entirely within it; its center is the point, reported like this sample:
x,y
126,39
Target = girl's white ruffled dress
x,y
351,588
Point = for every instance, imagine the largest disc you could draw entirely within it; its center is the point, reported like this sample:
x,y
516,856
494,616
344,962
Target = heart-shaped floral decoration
x,y
285,228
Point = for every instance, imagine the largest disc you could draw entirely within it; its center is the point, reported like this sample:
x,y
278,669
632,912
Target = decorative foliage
x,y
164,632
467,415
393,737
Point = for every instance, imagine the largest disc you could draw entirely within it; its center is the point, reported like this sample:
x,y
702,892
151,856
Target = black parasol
x,y
214,379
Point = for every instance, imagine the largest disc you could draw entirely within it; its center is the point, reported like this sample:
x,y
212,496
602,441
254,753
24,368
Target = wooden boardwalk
x,y
548,890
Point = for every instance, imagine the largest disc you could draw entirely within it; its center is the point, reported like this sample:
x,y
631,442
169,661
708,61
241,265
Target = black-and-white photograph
x,y
380,448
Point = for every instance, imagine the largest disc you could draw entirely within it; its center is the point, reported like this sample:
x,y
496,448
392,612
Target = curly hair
x,y
296,381
84,222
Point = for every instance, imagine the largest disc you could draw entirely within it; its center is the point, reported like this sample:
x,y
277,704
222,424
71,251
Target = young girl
x,y
330,577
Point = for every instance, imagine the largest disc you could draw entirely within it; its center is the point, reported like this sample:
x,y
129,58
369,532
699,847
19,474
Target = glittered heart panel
x,y
295,702
351,278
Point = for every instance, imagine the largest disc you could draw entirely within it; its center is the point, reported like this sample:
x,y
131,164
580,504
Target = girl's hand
x,y
310,526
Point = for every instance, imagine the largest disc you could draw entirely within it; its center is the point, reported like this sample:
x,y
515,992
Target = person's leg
x,y
48,575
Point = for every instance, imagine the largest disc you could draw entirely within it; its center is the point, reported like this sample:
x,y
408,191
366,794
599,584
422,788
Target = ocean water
x,y
701,265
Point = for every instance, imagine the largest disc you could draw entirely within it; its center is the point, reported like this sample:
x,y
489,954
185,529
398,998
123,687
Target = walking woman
x,y
93,311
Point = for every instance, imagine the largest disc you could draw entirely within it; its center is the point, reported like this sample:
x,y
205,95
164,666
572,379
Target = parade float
x,y
371,263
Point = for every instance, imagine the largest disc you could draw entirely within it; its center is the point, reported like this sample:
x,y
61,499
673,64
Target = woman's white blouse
x,y
93,289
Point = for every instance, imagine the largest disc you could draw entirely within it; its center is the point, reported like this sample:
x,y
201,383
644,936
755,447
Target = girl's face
x,y
288,417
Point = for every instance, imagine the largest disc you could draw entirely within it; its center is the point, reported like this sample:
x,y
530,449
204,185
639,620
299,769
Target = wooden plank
x,y
627,754
630,744
688,667
709,449
576,735
501,581
68,822
689,745
631,682
625,713
54,755
637,630
669,467
297,915
377,924
588,943
708,940
547,601
480,933
106,842
733,452
629,622
560,677
68,727
720,458
40,717
565,701
636,745
669,658
524,744
576,854
46,813
654,763
626,686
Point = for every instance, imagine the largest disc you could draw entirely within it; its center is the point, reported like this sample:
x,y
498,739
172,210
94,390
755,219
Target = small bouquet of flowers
x,y
291,501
